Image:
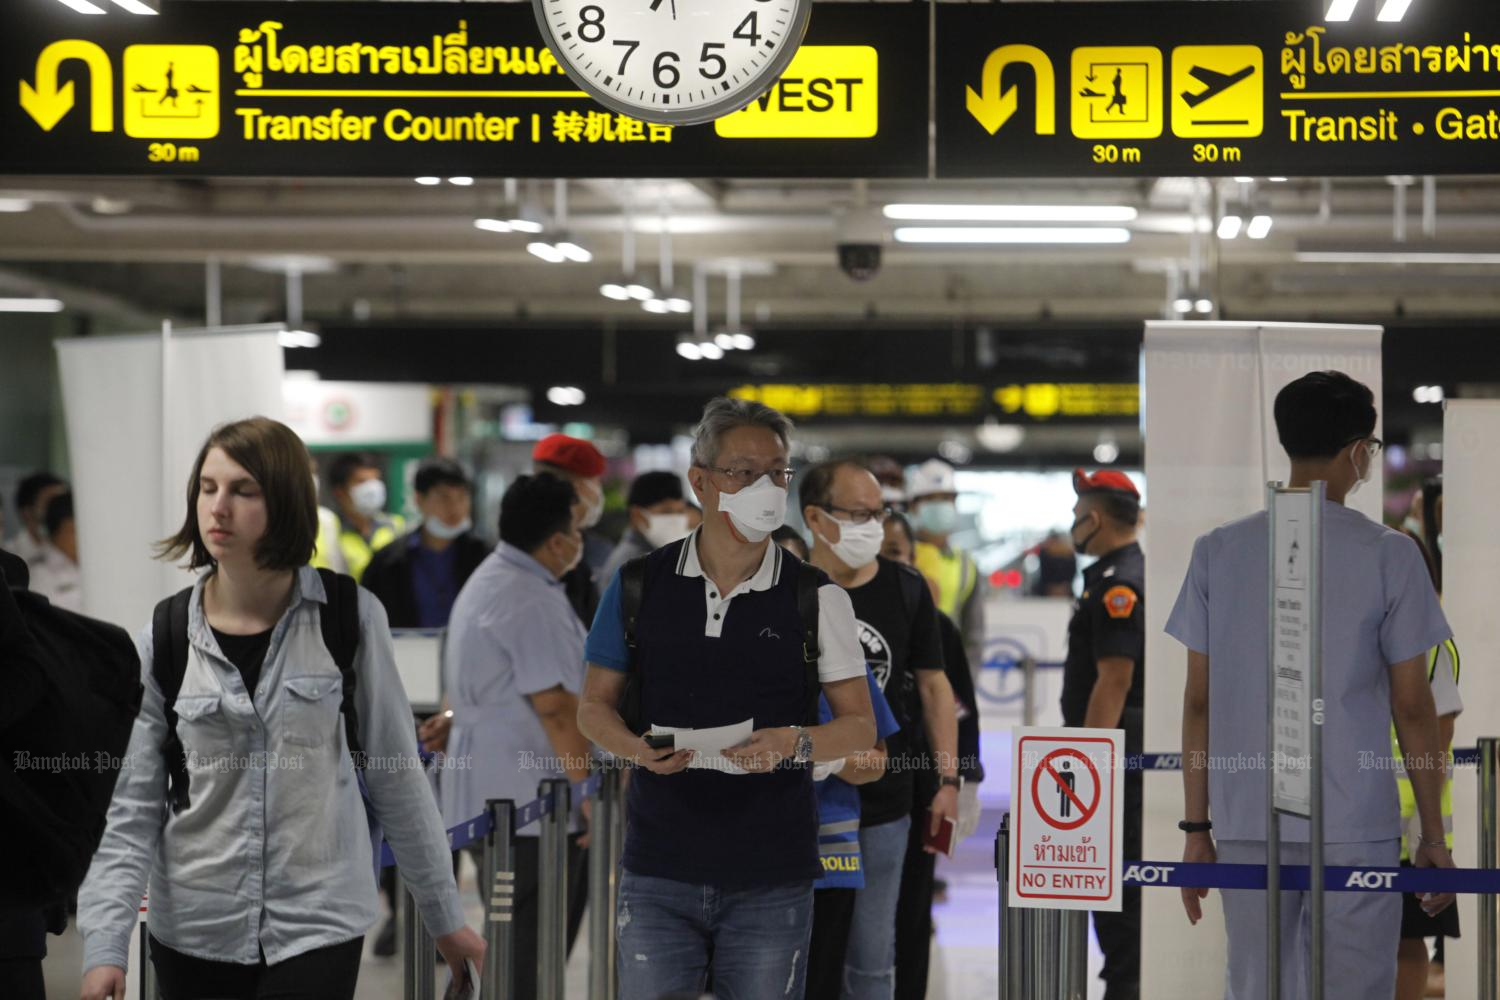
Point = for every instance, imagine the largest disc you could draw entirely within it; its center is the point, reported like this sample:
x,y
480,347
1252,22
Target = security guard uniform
x,y
1110,620
359,550
1442,674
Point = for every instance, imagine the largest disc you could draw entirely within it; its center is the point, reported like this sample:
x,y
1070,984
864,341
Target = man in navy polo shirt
x,y
718,866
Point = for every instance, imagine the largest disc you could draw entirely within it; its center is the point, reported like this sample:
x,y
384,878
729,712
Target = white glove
x,y
968,812
821,771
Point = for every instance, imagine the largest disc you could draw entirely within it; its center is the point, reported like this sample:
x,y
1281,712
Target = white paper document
x,y
710,742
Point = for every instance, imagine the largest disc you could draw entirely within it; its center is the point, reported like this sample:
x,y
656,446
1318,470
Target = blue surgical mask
x,y
937,517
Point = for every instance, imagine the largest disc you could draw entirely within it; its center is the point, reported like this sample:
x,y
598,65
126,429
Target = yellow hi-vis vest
x,y
358,552
326,551
1403,783
953,572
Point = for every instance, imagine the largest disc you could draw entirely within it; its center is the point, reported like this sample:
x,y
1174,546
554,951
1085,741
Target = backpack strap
x,y
912,584
340,622
169,655
632,593
809,579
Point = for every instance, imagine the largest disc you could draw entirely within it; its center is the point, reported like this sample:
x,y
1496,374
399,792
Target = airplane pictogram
x,y
1214,82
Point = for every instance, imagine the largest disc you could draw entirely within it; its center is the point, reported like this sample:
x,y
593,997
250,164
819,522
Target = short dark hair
x,y
651,488
347,464
787,533
438,471
31,487
815,485
534,509
1118,506
904,523
1323,412
277,459
59,512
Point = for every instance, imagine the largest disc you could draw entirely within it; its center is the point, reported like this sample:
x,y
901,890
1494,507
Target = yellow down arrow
x,y
993,107
48,103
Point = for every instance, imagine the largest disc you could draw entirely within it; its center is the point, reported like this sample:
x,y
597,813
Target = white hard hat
x,y
892,494
931,477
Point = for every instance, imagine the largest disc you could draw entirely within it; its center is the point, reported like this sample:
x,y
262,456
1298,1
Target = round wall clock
x,y
674,62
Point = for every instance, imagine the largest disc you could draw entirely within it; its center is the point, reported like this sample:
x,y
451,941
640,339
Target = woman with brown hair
x,y
259,857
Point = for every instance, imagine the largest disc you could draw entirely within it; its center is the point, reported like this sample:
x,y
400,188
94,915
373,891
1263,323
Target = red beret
x,y
573,454
1105,481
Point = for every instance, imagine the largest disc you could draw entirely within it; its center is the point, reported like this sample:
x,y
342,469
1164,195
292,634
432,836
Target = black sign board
x,y
403,90
1187,89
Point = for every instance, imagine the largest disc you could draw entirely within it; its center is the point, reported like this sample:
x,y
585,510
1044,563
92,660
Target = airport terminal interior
x,y
1021,261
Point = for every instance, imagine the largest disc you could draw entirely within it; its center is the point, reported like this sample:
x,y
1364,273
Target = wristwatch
x,y
802,753
955,783
1188,826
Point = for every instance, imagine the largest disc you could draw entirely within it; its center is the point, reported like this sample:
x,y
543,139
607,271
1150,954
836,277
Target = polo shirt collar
x,y
525,562
766,576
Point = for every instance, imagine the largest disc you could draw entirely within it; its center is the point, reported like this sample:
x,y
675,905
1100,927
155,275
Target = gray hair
x,y
723,415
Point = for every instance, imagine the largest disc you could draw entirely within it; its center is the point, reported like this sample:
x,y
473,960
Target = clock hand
x,y
656,5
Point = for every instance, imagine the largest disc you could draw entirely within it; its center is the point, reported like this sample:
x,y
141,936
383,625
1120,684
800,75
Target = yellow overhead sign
x,y
868,400
1044,400
171,91
1117,92
1218,91
828,92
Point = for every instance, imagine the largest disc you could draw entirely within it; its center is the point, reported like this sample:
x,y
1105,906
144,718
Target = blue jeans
x,y
669,931
870,963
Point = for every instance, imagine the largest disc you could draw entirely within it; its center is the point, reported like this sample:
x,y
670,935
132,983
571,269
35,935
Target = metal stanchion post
x,y
1074,956
552,891
1273,819
418,962
602,886
499,878
148,971
1028,681
1012,954
1489,857
621,778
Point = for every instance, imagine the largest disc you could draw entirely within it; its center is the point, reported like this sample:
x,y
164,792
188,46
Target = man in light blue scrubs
x,y
1380,617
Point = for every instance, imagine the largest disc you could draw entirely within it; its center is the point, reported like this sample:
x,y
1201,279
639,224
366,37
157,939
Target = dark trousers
x,y
832,911
1119,934
526,912
914,912
321,974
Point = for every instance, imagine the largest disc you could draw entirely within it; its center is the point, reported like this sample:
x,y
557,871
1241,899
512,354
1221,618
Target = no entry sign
x,y
1067,818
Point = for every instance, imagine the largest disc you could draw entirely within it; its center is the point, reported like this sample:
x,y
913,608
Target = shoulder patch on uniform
x,y
1120,602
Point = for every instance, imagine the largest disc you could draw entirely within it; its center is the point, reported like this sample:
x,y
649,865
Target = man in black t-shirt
x,y
1104,679
898,627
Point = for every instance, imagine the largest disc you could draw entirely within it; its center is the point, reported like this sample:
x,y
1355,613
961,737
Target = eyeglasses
x,y
860,515
1373,444
744,477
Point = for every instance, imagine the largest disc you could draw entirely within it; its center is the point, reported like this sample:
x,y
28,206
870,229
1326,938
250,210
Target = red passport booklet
x,y
943,842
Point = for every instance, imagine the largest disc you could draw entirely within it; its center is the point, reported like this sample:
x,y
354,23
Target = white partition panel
x,y
1211,446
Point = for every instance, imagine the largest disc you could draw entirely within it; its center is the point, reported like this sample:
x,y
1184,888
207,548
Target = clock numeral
x,y
630,48
709,56
749,29
665,70
591,24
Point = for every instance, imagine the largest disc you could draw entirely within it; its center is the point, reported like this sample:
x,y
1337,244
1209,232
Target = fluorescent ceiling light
x,y
688,350
1204,306
494,226
1229,227
574,252
1276,180
1340,10
546,251
1183,304
525,226
1010,213
31,305
15,205
710,351
997,235
299,338
1106,452
744,342
81,6
613,291
678,305
1394,10
725,341
657,306
134,6
566,395
1259,228
640,292
1395,257
462,182
1244,180
429,181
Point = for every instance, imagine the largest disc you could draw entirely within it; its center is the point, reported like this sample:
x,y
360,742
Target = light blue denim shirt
x,y
273,853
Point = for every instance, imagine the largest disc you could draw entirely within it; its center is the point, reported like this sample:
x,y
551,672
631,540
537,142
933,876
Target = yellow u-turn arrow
x,y
993,106
48,103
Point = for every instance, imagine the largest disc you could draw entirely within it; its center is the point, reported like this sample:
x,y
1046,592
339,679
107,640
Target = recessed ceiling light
x,y
1006,235
81,6
31,305
462,182
613,291
15,204
429,181
1010,213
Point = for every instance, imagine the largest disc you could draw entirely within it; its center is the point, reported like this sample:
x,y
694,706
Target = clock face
x,y
678,62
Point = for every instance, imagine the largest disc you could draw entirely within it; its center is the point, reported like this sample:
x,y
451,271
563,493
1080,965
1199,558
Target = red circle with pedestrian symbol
x,y
1068,798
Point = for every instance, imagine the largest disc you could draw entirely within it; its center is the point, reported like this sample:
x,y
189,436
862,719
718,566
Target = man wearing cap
x,y
658,516
1104,679
959,587
580,463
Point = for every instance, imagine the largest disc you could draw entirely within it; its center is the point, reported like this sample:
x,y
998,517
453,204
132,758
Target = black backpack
x,y
70,689
169,640
632,594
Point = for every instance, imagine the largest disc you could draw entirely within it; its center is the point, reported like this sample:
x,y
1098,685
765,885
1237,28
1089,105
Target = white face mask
x,y
445,531
369,497
593,512
858,544
757,510
573,562
664,529
1361,478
